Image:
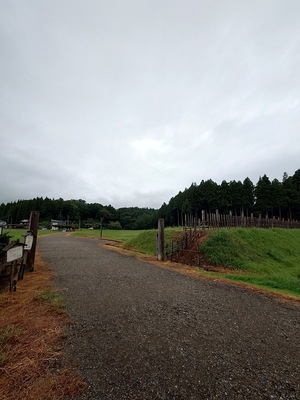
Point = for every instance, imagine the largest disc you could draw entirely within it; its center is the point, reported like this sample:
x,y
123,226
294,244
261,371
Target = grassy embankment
x,y
267,258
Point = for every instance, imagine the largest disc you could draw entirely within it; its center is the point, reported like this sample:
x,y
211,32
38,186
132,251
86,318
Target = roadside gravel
x,y
143,332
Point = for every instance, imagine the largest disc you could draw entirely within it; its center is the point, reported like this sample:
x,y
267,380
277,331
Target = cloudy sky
x,y
129,101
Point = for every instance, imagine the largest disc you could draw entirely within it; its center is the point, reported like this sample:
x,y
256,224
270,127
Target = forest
x,y
280,199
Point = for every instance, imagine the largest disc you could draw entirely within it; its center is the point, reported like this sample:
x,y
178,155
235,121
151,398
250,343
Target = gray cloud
x,y
129,102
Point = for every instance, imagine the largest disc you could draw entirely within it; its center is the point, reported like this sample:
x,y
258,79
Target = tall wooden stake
x,y
161,240
33,227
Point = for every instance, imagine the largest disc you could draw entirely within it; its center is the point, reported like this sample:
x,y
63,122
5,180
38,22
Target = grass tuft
x,y
51,297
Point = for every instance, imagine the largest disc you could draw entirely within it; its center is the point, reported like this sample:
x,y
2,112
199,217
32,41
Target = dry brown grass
x,y
32,331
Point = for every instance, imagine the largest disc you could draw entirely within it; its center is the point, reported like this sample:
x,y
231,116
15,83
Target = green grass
x,y
17,234
268,258
145,241
52,298
121,235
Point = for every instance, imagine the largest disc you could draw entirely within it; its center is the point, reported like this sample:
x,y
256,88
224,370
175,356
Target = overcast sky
x,y
126,102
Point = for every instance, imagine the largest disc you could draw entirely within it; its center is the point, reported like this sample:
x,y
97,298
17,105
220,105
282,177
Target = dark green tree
x,y
263,195
248,196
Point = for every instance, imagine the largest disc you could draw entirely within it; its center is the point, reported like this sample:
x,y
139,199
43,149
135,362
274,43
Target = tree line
x,y
280,199
274,198
79,212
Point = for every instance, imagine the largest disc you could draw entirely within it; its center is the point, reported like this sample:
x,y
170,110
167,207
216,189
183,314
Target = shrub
x,y
114,225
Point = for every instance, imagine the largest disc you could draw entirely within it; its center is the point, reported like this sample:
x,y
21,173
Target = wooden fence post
x,y
203,218
33,227
161,240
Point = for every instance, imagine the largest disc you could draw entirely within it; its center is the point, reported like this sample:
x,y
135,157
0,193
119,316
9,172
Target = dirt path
x,y
143,332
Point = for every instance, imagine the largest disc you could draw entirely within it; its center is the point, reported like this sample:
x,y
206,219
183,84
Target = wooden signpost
x,y
17,257
13,253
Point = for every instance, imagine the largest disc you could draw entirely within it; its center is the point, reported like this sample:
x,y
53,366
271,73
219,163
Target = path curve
x,y
144,332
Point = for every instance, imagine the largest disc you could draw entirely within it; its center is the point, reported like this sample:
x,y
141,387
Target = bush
x,y
114,225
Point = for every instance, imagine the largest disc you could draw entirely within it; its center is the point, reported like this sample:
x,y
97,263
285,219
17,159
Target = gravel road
x,y
144,332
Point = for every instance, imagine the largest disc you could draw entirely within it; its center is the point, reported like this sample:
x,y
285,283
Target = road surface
x,y
144,332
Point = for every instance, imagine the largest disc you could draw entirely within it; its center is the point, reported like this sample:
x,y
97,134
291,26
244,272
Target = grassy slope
x,y
145,241
268,258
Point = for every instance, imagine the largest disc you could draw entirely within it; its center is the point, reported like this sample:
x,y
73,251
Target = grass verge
x,y
267,258
32,332
18,234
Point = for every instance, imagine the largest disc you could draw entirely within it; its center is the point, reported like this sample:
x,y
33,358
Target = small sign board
x,y
28,242
14,253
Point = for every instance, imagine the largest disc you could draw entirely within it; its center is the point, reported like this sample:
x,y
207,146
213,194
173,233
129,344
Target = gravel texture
x,y
144,332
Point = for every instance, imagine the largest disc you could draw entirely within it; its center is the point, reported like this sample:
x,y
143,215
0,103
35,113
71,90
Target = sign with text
x,y
15,253
28,242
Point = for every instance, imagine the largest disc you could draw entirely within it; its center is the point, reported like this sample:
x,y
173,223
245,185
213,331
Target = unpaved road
x,y
143,332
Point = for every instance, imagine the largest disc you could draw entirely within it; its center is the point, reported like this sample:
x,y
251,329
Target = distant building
x,y
57,224
24,224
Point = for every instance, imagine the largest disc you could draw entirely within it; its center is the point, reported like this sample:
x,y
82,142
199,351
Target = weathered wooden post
x,y
33,228
161,240
101,227
217,218
28,241
203,218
